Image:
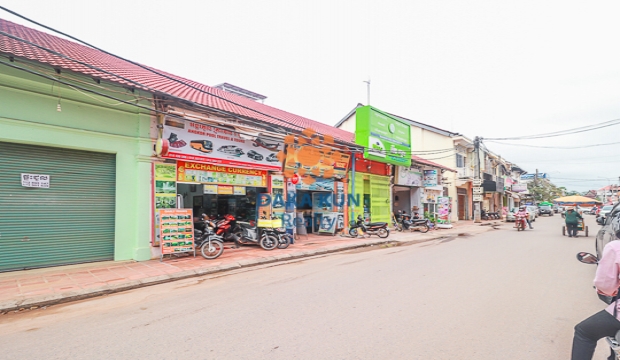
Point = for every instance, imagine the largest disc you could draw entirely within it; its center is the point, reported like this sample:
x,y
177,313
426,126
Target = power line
x,y
554,147
564,132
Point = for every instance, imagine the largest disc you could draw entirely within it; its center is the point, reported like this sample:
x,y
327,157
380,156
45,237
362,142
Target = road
x,y
498,295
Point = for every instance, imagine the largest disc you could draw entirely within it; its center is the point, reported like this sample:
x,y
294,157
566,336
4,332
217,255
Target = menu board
x,y
176,231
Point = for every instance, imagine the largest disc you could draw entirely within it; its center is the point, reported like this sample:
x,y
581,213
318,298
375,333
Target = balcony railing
x,y
465,173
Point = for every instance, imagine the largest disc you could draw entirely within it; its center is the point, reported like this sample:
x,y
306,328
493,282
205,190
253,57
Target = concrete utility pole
x,y
477,179
367,91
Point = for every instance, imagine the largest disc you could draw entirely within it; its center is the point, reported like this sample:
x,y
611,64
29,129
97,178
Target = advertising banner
x,y
519,188
430,178
194,141
277,196
329,223
444,208
385,138
217,174
176,231
320,184
409,177
321,164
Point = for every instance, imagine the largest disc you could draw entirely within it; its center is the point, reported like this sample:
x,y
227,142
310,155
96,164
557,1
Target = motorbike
x,y
612,341
377,228
224,227
284,238
210,244
520,222
247,233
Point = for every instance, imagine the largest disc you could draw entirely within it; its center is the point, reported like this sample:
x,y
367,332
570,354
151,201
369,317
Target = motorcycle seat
x,y
377,224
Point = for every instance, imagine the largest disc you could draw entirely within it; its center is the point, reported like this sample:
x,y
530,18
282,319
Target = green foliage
x,y
545,190
430,217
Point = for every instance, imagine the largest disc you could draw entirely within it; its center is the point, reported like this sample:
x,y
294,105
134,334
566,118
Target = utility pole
x,y
367,91
477,179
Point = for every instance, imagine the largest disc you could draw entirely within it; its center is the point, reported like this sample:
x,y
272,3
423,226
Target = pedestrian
x,y
606,322
572,221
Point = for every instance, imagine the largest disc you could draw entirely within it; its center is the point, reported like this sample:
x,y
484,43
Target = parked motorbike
x,y
224,227
207,241
520,222
421,225
400,221
377,228
612,341
247,233
284,238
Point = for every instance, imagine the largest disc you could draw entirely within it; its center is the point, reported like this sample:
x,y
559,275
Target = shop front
x,y
370,190
216,172
407,191
433,190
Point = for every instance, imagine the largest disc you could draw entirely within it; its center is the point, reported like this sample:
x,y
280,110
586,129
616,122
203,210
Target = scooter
x,y
224,227
520,223
247,233
485,215
613,341
421,225
284,238
360,228
211,245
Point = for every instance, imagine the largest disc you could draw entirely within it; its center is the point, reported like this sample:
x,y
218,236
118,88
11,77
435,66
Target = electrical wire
x,y
554,147
564,132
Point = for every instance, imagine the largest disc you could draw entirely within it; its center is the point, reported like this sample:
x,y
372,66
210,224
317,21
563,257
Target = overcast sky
x,y
481,68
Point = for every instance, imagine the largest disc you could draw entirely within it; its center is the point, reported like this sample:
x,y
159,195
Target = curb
x,y
55,299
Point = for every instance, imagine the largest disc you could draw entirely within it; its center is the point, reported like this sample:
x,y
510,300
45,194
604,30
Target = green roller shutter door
x,y
380,204
70,222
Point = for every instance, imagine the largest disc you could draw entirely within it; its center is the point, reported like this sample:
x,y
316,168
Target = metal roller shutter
x,y
70,222
380,203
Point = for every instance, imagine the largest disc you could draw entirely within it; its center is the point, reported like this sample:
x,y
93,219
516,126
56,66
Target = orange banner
x,y
176,230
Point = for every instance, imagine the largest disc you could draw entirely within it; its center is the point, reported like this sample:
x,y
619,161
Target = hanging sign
x,y
430,178
238,190
409,177
217,174
477,198
176,231
195,141
478,190
209,189
225,190
36,181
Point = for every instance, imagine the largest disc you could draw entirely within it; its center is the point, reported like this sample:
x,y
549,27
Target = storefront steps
x,y
39,288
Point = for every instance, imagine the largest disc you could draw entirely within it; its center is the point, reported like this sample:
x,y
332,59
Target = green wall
x,y
28,115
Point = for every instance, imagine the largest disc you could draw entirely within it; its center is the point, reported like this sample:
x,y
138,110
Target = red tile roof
x,y
236,104
429,163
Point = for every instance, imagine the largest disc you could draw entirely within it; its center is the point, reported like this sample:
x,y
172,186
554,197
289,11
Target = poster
x,y
409,177
165,190
320,184
330,165
176,231
329,222
430,178
444,208
263,207
193,141
35,181
217,174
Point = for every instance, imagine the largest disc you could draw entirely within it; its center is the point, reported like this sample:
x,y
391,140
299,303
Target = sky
x,y
493,69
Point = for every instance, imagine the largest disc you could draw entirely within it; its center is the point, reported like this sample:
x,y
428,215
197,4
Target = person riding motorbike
x,y
605,322
523,212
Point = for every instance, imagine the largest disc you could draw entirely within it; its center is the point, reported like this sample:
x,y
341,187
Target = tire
x,y
424,228
268,242
383,233
586,230
217,248
353,232
564,230
283,241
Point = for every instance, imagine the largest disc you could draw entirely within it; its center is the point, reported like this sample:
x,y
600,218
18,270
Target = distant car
x,y
231,150
254,155
607,233
546,210
510,217
605,210
273,157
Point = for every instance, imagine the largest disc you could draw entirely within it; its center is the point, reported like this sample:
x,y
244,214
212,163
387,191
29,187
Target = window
x,y
460,161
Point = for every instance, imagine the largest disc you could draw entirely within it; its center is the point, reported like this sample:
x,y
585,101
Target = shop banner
x,y
430,178
194,141
444,208
315,161
320,184
176,231
165,186
217,174
385,138
519,188
409,177
225,190
329,222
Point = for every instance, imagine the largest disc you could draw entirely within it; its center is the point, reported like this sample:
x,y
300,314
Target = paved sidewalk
x,y
42,287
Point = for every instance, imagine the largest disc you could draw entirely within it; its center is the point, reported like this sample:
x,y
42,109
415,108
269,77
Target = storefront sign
x,y
385,138
329,222
216,174
311,160
224,190
430,178
320,184
36,181
409,177
194,141
176,231
519,187
165,186
444,208
238,190
210,189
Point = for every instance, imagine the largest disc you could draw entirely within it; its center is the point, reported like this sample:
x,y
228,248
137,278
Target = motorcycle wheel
x,y
398,228
211,252
283,241
383,233
424,228
268,242
353,232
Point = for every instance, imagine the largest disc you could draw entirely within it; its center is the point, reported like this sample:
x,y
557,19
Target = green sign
x,y
384,138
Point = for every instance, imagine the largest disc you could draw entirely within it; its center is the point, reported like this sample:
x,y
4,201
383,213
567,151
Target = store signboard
x,y
36,181
477,198
176,231
430,178
444,208
519,188
238,190
217,174
225,190
320,184
384,137
210,189
309,159
408,177
193,141
329,222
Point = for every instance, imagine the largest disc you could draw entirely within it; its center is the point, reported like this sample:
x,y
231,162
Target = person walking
x,y
572,220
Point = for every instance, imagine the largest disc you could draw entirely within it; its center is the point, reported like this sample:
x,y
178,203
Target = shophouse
x,y
97,146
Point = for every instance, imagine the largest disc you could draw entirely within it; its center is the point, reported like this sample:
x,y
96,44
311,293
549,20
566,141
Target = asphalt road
x,y
500,295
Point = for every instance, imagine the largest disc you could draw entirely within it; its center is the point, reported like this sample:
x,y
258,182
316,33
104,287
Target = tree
x,y
545,190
